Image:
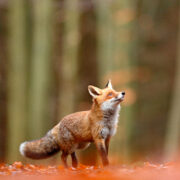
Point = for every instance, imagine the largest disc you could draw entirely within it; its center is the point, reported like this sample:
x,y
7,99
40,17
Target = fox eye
x,y
110,94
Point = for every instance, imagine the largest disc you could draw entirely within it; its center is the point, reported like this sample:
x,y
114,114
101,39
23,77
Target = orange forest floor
x,y
147,171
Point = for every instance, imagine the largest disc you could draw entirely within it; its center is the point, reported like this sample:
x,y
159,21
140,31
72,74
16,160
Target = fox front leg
x,y
107,144
100,145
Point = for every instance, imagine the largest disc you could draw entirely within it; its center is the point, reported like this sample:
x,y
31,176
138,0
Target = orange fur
x,y
78,130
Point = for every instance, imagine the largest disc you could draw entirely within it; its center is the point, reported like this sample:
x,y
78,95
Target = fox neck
x,y
111,113
110,119
105,114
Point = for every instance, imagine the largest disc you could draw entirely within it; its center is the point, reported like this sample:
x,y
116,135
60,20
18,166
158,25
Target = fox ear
x,y
94,91
109,85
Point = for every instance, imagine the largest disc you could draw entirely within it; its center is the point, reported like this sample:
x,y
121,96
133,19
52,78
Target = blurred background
x,y
51,50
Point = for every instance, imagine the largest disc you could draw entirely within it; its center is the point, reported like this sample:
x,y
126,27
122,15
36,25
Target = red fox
x,y
78,130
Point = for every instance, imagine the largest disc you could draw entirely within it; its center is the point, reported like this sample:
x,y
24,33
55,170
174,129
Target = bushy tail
x,y
41,148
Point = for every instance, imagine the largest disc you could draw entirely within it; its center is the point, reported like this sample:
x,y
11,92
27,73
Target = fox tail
x,y
41,148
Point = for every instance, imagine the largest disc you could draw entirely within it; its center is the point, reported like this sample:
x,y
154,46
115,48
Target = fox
x,y
77,130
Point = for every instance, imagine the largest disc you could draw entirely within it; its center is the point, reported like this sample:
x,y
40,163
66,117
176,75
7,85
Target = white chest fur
x,y
109,121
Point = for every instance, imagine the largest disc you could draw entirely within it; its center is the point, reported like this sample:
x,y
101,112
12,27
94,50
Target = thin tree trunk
x,y
106,40
69,59
16,78
58,54
3,83
172,143
40,68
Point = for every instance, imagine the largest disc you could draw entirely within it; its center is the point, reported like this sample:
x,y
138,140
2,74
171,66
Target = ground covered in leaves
x,y
147,171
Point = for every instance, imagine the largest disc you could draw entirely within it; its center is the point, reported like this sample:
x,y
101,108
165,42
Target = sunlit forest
x,y
51,50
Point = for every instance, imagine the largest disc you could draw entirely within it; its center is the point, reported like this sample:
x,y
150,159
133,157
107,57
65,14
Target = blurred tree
x,y
17,79
40,68
3,81
57,60
87,51
172,143
69,59
106,40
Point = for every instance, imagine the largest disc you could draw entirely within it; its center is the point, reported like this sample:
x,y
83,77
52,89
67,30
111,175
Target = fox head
x,y
106,98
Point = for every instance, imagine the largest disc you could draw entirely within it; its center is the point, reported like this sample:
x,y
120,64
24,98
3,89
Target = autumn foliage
x,y
146,171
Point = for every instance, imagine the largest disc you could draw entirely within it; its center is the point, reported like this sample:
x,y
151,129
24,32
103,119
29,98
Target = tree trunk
x,y
17,79
38,118
3,83
172,143
69,59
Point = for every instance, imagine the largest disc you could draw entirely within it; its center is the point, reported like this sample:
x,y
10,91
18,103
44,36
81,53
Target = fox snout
x,y
120,96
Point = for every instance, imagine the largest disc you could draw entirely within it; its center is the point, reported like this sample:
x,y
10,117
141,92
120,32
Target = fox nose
x,y
123,93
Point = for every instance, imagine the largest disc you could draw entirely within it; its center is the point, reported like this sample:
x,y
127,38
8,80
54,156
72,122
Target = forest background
x,y
51,50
